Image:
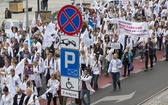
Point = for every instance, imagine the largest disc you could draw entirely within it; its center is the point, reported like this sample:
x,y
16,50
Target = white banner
x,y
133,28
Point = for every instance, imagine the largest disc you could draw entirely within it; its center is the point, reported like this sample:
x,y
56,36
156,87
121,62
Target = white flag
x,y
81,6
39,18
50,29
11,34
47,42
20,68
33,24
27,40
95,4
24,23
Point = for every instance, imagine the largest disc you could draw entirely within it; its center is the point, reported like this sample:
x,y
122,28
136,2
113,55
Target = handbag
x,y
131,67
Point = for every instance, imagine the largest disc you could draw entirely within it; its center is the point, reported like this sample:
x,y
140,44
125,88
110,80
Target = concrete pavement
x,y
53,5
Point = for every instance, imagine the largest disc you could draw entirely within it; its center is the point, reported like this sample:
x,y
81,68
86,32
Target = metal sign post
x,y
70,22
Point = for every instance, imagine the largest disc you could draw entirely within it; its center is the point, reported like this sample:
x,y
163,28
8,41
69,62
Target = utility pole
x,y
38,7
27,15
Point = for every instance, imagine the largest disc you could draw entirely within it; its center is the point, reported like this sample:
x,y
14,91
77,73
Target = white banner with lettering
x,y
133,28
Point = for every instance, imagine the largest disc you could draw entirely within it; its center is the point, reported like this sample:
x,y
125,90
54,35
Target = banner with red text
x,y
133,28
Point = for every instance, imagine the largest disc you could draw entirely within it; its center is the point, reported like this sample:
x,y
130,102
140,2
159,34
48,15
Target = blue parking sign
x,y
69,62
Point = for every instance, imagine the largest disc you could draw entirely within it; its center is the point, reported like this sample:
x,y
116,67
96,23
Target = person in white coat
x,y
30,98
37,71
52,82
7,98
49,67
85,87
32,87
96,68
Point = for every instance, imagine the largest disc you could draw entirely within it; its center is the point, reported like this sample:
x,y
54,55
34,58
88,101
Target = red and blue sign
x,y
69,20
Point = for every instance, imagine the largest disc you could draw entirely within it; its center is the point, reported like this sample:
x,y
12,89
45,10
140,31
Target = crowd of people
x,y
26,57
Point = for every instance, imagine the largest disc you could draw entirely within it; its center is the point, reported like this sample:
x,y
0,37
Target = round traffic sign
x,y
69,20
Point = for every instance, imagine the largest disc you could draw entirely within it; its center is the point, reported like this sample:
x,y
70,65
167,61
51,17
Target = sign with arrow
x,y
118,98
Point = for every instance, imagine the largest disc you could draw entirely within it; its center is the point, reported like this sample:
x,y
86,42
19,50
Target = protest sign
x,y
115,45
133,28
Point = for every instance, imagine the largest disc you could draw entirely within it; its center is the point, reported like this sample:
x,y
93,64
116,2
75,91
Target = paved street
x,y
144,84
53,5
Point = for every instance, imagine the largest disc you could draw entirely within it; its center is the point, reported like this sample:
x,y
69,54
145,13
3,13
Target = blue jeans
x,y
82,94
116,79
95,79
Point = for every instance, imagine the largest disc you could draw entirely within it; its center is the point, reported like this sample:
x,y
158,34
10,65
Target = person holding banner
x,y
149,52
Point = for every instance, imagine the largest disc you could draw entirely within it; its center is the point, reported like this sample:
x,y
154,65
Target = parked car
x,y
6,24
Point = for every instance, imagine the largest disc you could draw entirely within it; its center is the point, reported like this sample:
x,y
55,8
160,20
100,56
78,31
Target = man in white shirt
x,y
13,82
115,70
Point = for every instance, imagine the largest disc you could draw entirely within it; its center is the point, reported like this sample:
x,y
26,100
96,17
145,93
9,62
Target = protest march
x,y
112,35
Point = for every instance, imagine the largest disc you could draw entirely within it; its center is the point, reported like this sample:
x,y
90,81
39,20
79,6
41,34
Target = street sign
x,y
68,93
71,42
69,83
69,20
69,62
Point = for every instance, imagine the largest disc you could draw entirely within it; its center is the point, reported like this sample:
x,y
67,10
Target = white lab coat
x,y
87,80
31,101
51,64
37,71
7,100
96,67
53,83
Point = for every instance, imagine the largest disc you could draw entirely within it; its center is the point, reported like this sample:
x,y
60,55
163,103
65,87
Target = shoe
x,y
114,90
106,75
151,68
141,60
145,70
123,75
119,87
166,60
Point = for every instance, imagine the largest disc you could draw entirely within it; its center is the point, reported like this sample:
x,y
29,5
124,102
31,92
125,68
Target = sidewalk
x,y
105,81
159,99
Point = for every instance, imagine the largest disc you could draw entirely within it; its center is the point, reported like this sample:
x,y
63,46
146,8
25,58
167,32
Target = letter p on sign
x,y
69,61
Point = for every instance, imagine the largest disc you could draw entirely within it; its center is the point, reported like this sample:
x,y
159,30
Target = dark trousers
x,y
126,66
167,52
159,43
147,57
78,100
82,94
155,55
50,96
116,80
95,79
47,78
134,51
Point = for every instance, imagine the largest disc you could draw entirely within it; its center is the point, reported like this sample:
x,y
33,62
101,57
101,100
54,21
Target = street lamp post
x,y
27,16
38,7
